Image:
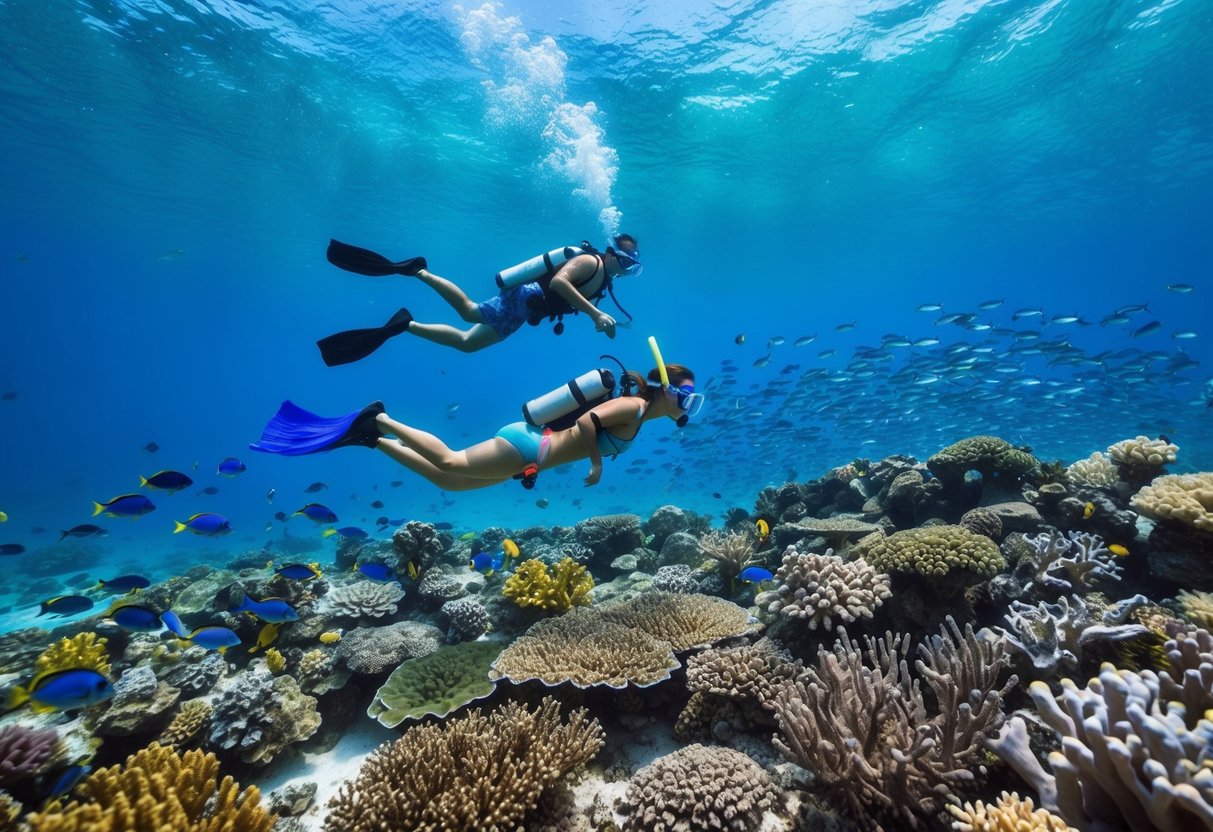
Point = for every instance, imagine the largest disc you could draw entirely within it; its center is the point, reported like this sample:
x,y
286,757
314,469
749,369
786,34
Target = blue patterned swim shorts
x,y
510,309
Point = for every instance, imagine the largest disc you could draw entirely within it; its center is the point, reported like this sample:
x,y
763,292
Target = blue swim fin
x,y
294,431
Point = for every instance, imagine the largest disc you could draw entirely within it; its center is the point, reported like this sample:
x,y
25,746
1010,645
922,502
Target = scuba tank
x,y
569,399
539,266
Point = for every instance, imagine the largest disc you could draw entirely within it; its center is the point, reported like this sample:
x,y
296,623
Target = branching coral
x,y
156,790
820,588
1071,563
699,787
365,599
860,723
1054,636
1197,607
436,684
1187,676
476,772
935,551
749,671
1010,814
191,719
1186,499
731,550
1142,456
566,585
1096,470
81,650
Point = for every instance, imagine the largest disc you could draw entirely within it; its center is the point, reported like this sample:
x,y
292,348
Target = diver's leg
x,y
470,340
420,465
494,459
452,294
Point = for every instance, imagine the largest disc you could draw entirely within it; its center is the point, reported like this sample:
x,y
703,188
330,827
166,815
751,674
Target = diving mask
x,y
689,402
629,261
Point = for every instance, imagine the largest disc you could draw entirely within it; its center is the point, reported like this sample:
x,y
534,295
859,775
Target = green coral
x,y
935,551
988,455
567,585
436,684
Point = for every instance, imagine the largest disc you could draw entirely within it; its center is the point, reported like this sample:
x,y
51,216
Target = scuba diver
x,y
560,282
518,451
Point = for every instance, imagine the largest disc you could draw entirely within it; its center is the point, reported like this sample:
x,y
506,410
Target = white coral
x,y
364,600
1097,470
1143,452
820,588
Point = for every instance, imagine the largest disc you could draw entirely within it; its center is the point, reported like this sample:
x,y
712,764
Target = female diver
x,y
608,428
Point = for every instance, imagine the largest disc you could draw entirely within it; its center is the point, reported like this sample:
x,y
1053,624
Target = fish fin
x,y
17,697
143,482
180,527
328,533
97,508
254,648
222,650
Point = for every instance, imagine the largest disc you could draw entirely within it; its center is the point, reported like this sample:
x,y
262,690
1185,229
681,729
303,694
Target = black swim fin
x,y
364,261
356,344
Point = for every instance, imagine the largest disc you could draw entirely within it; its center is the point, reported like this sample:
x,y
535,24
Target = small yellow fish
x,y
267,636
764,530
1087,510
510,548
331,637
467,536
413,573
3,517
1118,550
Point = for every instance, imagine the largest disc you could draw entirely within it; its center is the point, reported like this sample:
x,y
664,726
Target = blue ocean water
x,y
173,171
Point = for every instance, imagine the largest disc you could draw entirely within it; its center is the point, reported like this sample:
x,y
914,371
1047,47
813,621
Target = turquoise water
x,y
174,170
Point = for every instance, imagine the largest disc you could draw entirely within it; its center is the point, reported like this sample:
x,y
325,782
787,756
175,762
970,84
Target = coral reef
x,y
364,599
1096,470
467,618
566,585
275,661
1186,499
23,752
81,650
259,715
818,589
190,719
436,684
983,521
1070,563
745,672
732,550
437,588
699,787
418,543
685,621
158,789
196,672
1010,814
475,772
140,705
1197,607
610,535
375,649
1186,676
1142,458
935,551
861,724
988,455
675,578
838,531
1053,636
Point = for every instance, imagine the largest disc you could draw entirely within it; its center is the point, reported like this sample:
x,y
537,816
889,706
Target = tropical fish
x,y
317,513
272,610
775,341
763,529
486,563
68,780
267,636
740,339
348,532
269,495
124,583
414,572
468,536
377,572
377,504
987,305
299,572
330,637
212,637
62,605
542,502
63,690
210,491
170,481
1027,313
804,340
11,548
125,505
314,487
1183,335
930,307
764,361
135,617
207,524
1088,509
846,327
231,467
755,575
1118,550
171,620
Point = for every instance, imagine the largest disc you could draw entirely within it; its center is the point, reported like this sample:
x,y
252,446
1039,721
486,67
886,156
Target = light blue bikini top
x,y
608,443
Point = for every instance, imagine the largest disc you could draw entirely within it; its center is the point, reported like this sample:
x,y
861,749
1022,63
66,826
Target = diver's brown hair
x,y
676,372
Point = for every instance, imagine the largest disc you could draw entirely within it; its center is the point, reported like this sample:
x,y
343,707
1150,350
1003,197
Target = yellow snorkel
x,y
665,377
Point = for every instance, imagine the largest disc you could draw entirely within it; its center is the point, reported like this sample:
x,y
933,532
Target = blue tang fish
x,y
68,780
755,574
298,572
348,532
207,524
318,513
125,505
212,637
271,610
124,583
137,618
231,467
377,572
166,481
63,690
171,620
66,605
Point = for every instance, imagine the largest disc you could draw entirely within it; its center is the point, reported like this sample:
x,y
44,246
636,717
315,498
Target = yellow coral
x,y
158,789
187,723
275,661
567,585
81,650
1010,814
1197,607
331,637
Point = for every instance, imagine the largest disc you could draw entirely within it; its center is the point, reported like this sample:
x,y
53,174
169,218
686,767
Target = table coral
x,y
436,684
375,649
566,585
481,771
157,789
686,621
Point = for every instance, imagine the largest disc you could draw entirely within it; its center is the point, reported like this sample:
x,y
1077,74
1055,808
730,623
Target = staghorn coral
x,y
1142,457
1186,499
699,787
982,521
24,751
685,621
81,650
1096,470
987,455
485,772
260,715
468,619
1070,563
375,649
746,672
1010,814
731,550
1053,636
192,717
567,585
436,684
1197,607
1127,759
584,649
935,551
365,599
860,723
820,588
157,790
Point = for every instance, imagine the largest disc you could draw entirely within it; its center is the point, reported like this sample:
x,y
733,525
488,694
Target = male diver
x,y
561,282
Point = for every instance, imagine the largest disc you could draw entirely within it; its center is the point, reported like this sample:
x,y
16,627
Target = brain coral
x,y
749,671
1097,469
474,772
936,551
985,454
1182,498
365,599
436,684
821,588
699,787
567,585
982,521
375,649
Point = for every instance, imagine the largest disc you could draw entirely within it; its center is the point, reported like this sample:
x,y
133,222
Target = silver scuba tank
x,y
538,266
568,397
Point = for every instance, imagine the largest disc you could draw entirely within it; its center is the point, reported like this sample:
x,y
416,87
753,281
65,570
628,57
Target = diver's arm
x,y
564,283
611,413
